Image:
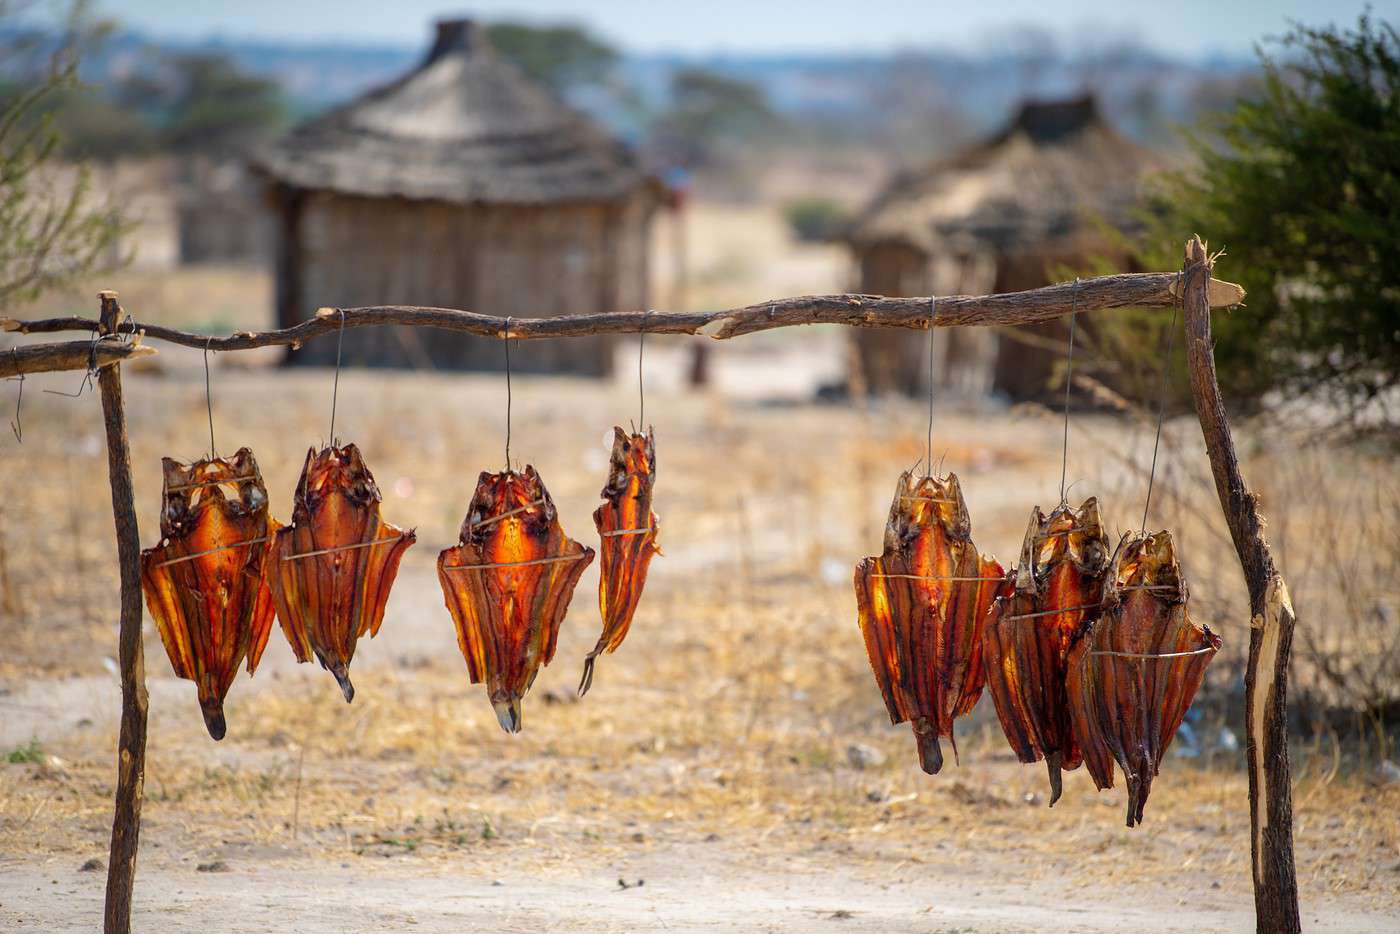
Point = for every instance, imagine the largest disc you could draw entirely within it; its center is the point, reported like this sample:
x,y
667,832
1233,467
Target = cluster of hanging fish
x,y
1089,657
224,567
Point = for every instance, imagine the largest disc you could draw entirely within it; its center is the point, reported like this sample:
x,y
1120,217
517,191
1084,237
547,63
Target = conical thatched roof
x,y
465,126
1055,170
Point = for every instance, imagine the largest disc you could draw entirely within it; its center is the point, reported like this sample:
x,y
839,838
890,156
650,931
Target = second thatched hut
x,y
1044,192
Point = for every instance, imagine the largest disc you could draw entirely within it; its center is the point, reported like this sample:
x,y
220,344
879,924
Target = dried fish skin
x,y
627,530
336,563
1135,673
507,584
922,604
206,581
1057,592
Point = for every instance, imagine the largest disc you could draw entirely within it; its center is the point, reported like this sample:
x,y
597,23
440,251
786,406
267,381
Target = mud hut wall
x,y
1026,369
963,357
516,260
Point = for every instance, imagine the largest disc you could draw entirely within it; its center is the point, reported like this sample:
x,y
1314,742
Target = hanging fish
x,y
336,562
922,604
507,584
1133,675
1058,590
206,582
627,528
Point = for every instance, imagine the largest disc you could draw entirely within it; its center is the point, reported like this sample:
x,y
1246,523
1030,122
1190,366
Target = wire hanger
x,y
88,377
641,383
1069,374
209,399
928,450
335,386
1162,406
508,393
16,425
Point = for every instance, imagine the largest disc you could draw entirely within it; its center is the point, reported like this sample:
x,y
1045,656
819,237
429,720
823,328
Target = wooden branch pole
x,y
1271,624
1130,290
70,355
131,758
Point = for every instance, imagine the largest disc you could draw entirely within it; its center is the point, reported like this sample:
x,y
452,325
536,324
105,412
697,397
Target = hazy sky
x,y
1184,27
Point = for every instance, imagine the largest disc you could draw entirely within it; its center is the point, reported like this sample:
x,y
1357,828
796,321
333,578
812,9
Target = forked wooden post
x,y
1271,625
131,757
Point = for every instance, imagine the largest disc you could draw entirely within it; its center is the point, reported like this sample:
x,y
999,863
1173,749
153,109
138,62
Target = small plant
x,y
28,753
813,220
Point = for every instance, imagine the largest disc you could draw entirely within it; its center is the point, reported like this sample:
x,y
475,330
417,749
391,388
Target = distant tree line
x,y
184,103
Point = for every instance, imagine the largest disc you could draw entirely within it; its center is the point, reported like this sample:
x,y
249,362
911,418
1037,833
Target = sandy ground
x,y
690,887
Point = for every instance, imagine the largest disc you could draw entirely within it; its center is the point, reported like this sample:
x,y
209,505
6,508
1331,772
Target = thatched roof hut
x,y
996,218
465,185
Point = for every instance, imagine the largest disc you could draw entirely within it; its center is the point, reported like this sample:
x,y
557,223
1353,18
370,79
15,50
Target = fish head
x,y
232,487
1076,535
1147,561
515,500
632,463
334,472
928,504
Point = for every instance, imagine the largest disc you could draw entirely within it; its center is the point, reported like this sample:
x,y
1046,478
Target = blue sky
x,y
1190,28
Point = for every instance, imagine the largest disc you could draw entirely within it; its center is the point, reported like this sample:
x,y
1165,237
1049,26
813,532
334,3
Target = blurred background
x,y
277,161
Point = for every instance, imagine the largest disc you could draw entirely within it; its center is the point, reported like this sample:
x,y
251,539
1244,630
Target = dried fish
x,y
1133,675
922,605
1058,591
507,584
206,582
336,562
627,528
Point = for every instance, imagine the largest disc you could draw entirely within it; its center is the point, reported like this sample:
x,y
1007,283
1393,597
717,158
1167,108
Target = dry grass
x,y
727,713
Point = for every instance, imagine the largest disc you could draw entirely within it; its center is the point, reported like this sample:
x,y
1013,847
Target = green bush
x,y
812,220
1301,186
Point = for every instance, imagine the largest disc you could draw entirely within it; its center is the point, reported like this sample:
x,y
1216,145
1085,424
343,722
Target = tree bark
x,y
1271,625
69,355
131,749
1129,290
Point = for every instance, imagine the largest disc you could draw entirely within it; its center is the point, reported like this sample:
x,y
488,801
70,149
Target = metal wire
x,y
641,384
1069,372
340,548
507,394
88,376
214,551
928,454
560,559
335,386
1149,656
1162,404
16,424
209,399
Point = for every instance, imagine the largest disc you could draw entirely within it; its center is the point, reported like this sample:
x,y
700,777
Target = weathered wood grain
x,y
1271,624
1129,290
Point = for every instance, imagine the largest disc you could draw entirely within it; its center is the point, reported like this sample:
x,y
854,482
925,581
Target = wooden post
x,y
1271,625
131,756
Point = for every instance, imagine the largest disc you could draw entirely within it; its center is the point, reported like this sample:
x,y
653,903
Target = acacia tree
x,y
52,229
1301,184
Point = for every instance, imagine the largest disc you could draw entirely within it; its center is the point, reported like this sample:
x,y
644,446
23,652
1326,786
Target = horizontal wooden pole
x,y
69,355
1128,290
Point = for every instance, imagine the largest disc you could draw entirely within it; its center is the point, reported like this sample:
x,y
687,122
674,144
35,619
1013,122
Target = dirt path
x,y
685,888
